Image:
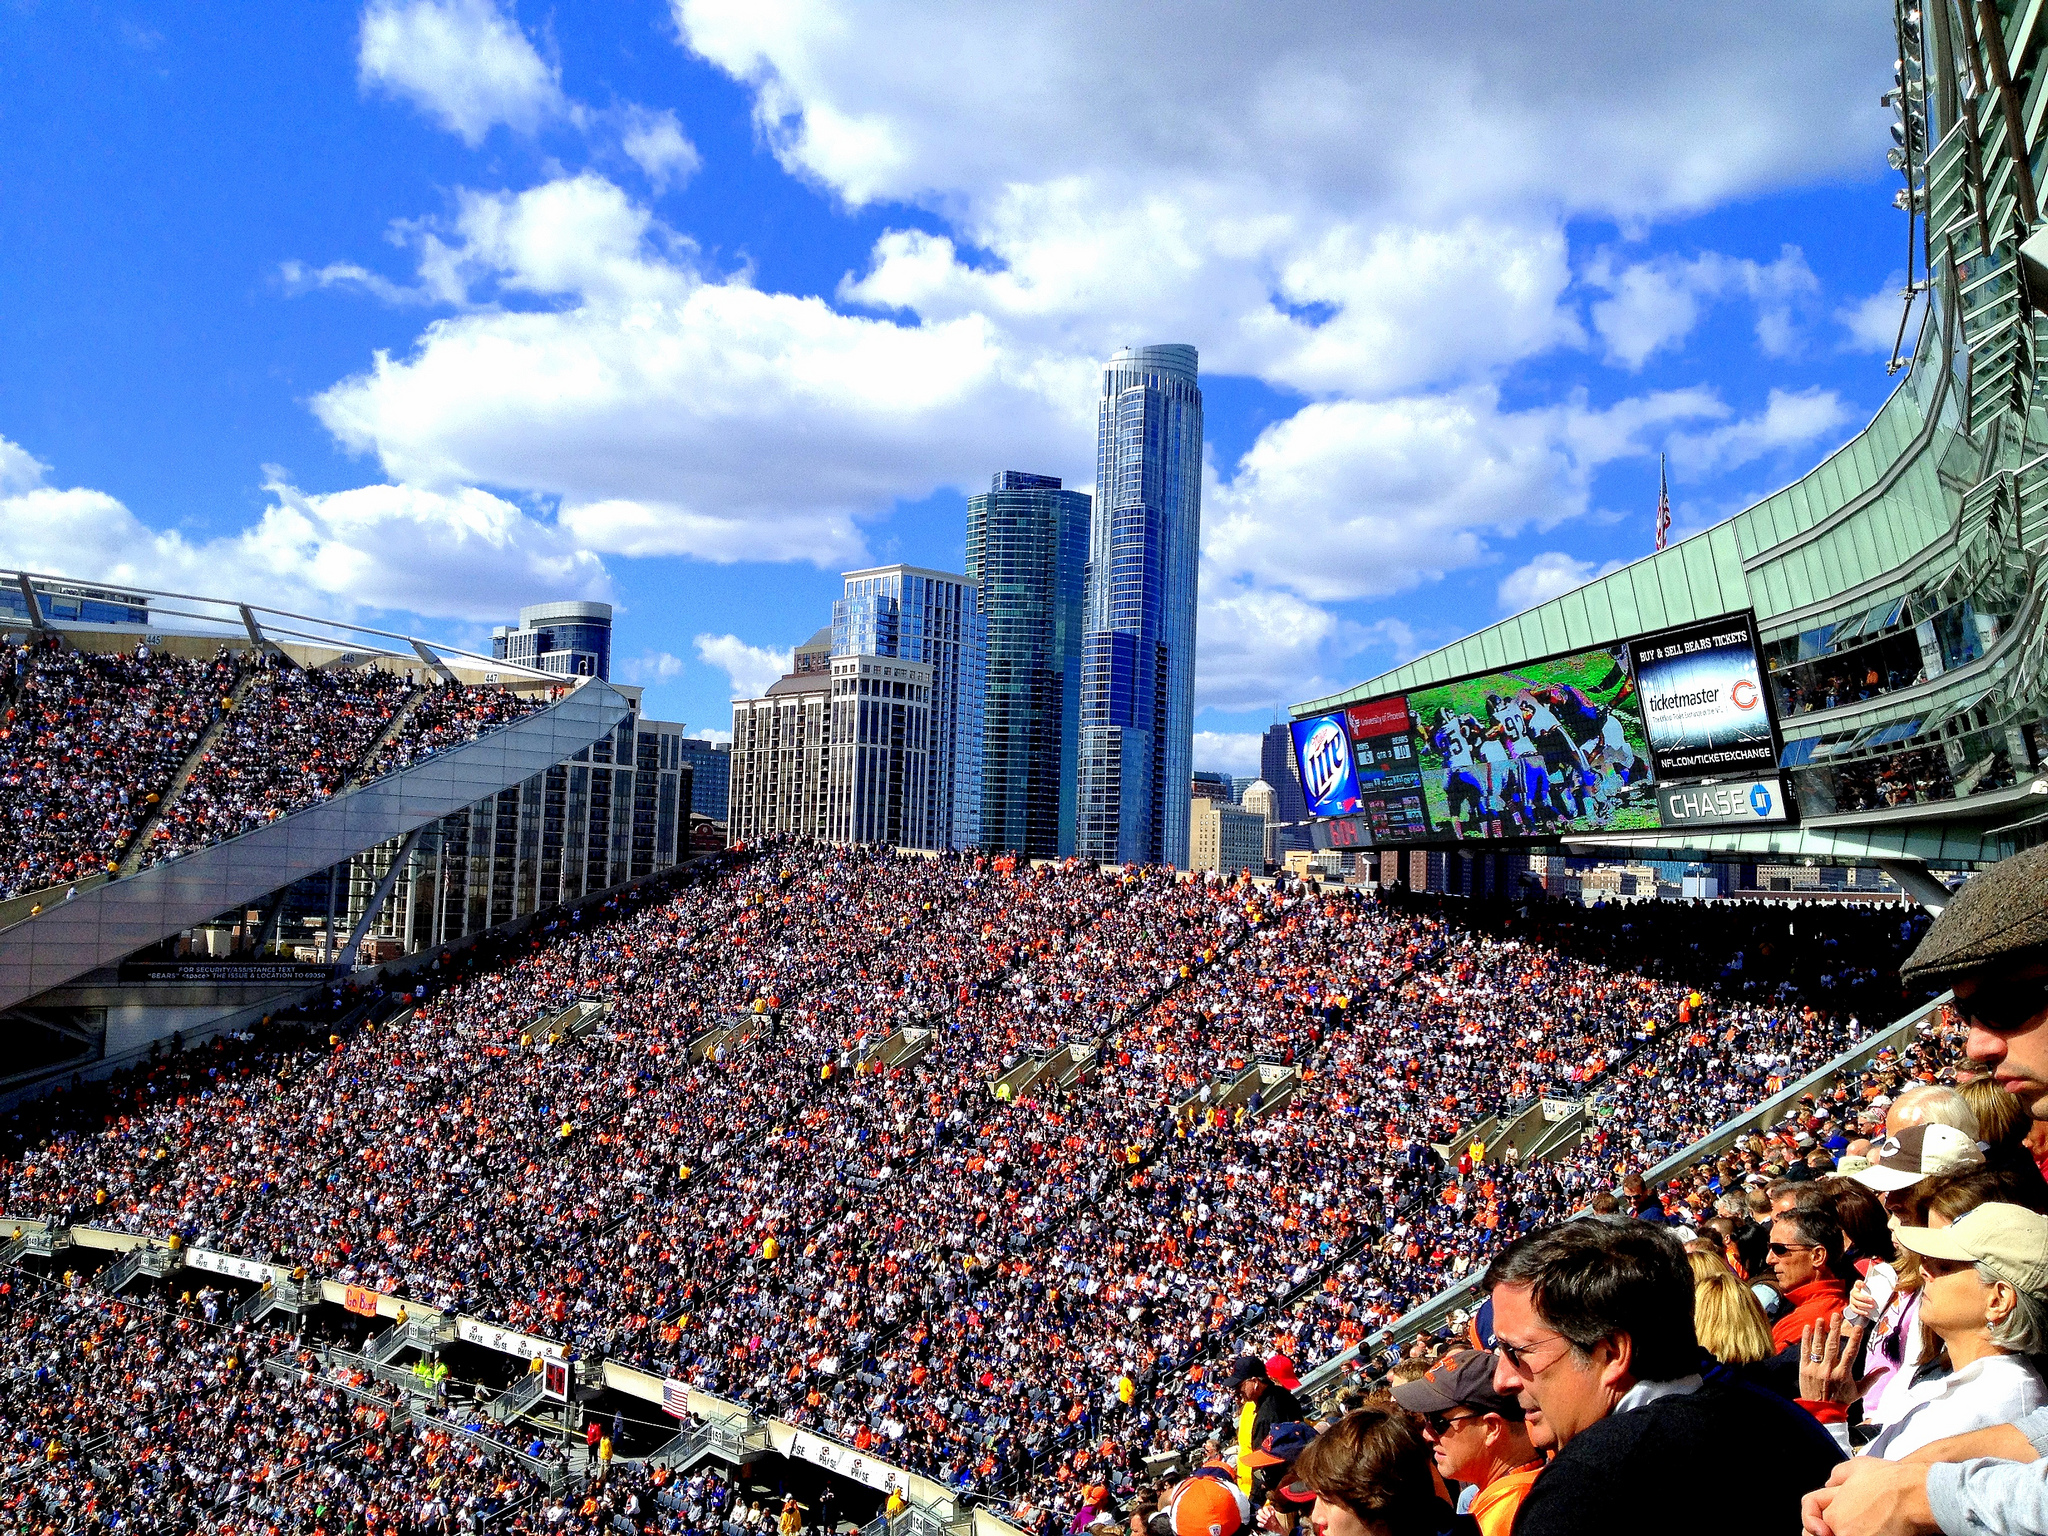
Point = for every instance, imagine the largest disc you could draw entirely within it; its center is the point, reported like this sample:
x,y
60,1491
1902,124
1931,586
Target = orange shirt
x,y
1494,1505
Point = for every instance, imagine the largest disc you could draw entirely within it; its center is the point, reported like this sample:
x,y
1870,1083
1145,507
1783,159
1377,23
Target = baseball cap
x,y
1280,1371
1462,1379
1243,1369
1208,1504
1918,1152
1282,1445
2009,1240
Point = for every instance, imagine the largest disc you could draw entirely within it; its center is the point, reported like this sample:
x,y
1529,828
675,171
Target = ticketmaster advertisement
x,y
1705,707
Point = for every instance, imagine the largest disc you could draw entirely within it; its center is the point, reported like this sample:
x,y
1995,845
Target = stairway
x,y
138,845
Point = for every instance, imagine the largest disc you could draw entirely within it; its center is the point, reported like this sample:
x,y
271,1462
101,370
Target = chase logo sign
x,y
1738,802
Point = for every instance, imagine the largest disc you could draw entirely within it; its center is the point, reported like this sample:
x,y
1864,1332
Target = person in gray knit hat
x,y
1990,945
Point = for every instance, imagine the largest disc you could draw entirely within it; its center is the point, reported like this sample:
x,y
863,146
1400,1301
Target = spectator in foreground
x,y
1991,945
1261,1404
1371,1476
1593,1326
1728,1320
1476,1434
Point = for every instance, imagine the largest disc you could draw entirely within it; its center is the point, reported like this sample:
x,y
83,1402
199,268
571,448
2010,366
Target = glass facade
x,y
1027,558
569,639
933,617
1138,649
710,776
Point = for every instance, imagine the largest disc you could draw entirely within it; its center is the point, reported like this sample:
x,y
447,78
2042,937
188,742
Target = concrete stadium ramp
x,y
115,919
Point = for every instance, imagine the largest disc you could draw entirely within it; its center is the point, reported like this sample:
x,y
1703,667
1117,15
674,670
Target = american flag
x,y
675,1397
1663,505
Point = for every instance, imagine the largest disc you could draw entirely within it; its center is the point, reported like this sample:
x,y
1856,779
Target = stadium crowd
x,y
741,1175
87,744
91,744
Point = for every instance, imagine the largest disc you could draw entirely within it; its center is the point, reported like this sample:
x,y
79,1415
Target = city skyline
x,y
309,308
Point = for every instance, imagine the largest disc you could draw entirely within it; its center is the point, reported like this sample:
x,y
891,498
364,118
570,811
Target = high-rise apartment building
x,y
572,638
880,752
1138,651
781,759
1027,558
912,614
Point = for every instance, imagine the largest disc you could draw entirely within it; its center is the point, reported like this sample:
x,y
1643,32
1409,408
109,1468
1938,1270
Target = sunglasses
x,y
1517,1355
2003,1009
1441,1424
1779,1250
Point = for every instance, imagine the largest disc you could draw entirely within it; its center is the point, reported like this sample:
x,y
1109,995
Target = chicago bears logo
x,y
1743,695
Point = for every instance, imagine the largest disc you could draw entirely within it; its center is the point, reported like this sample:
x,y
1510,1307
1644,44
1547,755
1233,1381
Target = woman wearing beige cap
x,y
1984,1295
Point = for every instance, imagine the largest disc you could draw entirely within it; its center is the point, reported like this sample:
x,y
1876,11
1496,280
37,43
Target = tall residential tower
x,y
1027,557
1138,653
908,613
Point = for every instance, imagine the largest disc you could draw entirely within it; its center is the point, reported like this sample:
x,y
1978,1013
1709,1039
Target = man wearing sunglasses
x,y
1991,945
1593,1329
1477,1435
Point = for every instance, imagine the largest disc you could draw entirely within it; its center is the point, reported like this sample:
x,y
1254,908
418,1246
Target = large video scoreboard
x,y
1581,742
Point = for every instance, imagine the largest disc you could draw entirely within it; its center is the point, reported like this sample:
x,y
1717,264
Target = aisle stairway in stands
x,y
138,845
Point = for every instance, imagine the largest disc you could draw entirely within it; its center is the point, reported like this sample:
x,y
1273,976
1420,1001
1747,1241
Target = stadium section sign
x,y
1704,702
1731,803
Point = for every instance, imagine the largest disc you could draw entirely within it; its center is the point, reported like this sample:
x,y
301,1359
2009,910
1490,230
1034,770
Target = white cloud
x,y
300,278
1652,305
465,63
1873,322
750,667
714,736
651,667
671,413
1227,751
20,470
1789,420
1551,574
1349,499
464,554
1286,187
656,143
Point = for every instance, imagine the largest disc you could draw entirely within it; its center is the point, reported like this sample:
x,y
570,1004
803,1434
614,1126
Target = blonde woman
x,y
1727,1317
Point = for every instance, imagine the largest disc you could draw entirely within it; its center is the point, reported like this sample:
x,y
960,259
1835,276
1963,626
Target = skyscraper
x,y
1290,810
574,639
1027,557
934,617
1138,652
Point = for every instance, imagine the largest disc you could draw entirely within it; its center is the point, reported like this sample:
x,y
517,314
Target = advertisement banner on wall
x,y
1728,803
1705,705
1329,772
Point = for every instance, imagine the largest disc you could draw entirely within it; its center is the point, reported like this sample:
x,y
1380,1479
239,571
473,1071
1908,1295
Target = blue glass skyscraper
x,y
1138,653
1027,556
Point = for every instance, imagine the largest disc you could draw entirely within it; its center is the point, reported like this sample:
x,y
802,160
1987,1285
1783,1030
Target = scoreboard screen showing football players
x,y
1535,750
1704,702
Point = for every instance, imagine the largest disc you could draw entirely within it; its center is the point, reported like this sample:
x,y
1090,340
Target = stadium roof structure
x,y
60,952
1926,529
34,600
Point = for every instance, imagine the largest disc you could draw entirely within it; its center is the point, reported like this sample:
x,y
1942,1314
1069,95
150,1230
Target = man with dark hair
x,y
1593,1329
1806,1262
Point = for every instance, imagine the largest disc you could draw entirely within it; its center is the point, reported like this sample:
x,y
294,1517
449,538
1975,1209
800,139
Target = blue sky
x,y
420,310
